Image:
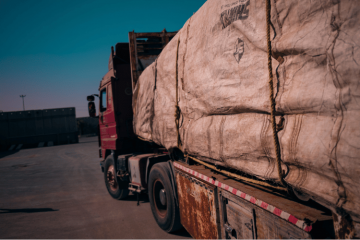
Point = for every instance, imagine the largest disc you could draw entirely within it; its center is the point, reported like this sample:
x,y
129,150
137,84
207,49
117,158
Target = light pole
x,y
22,96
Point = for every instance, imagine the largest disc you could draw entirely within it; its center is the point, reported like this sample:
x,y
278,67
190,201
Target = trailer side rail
x,y
266,206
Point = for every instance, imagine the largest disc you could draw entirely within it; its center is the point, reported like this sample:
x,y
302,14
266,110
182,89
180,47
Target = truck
x,y
207,199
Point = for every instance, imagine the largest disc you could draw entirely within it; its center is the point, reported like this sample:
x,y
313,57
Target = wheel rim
x,y
110,177
159,198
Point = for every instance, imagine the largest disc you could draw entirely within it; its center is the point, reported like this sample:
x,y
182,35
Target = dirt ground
x,y
59,192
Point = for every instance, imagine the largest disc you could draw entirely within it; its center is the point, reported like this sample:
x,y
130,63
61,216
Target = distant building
x,y
31,127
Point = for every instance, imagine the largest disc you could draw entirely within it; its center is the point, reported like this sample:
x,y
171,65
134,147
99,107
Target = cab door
x,y
107,119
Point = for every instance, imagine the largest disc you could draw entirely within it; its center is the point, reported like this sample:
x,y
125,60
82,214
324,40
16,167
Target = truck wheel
x,y
162,200
117,189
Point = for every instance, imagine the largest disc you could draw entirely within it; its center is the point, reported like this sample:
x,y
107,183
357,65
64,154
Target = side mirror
x,y
90,98
92,109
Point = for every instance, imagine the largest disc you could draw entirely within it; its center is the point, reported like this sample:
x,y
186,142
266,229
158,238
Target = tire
x,y
163,206
117,189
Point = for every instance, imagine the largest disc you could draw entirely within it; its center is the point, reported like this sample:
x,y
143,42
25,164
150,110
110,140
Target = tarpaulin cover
x,y
224,93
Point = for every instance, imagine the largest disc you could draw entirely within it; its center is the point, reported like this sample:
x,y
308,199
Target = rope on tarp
x,y
177,108
272,100
236,176
272,110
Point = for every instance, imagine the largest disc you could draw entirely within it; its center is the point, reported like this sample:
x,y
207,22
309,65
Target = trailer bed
x,y
264,213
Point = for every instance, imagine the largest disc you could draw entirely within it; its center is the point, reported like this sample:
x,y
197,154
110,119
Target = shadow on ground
x,y
7,153
182,232
27,210
144,198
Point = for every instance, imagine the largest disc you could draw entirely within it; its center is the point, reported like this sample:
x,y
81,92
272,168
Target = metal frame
x,y
136,68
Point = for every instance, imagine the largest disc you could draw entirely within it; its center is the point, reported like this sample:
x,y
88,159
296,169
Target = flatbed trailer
x,y
214,206
182,192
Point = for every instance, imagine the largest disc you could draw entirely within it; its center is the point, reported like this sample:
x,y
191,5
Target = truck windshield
x,y
103,100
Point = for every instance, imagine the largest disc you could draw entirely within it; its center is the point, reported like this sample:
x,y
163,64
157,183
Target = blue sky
x,y
56,52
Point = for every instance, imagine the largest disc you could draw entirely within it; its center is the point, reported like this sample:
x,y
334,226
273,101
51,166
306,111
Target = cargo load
x,y
216,71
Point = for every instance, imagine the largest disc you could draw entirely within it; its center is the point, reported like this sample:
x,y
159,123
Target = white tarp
x,y
224,94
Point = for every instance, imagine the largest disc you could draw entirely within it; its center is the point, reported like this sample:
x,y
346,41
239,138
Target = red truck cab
x,y
115,112
126,63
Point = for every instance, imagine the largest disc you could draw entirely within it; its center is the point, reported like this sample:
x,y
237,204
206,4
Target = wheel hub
x,y
159,198
110,177
162,194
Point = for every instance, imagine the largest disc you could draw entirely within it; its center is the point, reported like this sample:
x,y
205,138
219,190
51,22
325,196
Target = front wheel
x,y
117,189
162,200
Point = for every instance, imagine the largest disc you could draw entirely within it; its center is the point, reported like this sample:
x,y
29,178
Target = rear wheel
x,y
162,201
117,189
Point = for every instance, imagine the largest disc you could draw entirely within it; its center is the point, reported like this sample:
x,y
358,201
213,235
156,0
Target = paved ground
x,y
59,192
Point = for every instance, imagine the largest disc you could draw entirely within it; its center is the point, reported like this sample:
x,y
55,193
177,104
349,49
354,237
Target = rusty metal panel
x,y
238,218
270,221
243,220
272,227
197,203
